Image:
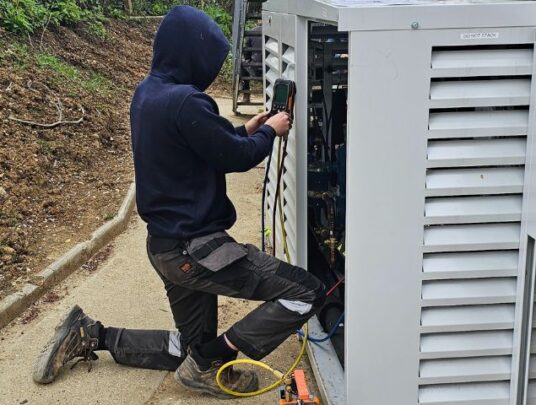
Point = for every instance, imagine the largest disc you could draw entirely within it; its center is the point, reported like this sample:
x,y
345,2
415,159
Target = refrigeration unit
x,y
409,172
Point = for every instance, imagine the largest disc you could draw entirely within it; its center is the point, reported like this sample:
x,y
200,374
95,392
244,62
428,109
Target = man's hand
x,y
253,124
280,122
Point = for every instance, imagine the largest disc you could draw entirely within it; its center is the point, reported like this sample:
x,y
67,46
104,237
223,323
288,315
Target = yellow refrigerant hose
x,y
279,375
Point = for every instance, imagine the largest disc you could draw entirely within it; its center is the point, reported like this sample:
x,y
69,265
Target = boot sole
x,y
43,364
198,387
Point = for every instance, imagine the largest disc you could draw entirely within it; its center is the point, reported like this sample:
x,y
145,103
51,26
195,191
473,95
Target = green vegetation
x,y
161,7
32,17
219,10
20,56
97,83
21,16
90,81
222,17
26,17
47,61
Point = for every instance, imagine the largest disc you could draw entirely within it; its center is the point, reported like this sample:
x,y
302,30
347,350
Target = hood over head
x,y
189,48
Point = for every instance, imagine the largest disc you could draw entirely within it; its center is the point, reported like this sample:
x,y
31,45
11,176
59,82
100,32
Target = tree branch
x,y
44,30
59,108
52,125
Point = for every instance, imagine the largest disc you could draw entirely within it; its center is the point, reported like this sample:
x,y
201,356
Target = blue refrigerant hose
x,y
328,336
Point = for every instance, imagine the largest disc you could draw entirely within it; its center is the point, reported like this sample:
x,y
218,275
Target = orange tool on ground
x,y
295,391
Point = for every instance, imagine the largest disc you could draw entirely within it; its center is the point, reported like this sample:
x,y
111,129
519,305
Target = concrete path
x,y
125,291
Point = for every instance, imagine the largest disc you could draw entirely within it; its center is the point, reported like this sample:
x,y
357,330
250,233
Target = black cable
x,y
277,192
317,126
325,106
263,208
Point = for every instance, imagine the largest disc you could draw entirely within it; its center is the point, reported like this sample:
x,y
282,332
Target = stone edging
x,y
13,305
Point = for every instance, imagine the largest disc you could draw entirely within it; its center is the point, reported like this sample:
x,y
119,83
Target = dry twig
x,y
59,108
44,30
51,125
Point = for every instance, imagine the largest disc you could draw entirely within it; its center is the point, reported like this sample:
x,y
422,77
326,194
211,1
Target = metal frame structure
x,y
240,17
441,178
239,23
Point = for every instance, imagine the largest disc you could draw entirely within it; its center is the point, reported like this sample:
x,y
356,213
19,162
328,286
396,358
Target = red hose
x,y
332,289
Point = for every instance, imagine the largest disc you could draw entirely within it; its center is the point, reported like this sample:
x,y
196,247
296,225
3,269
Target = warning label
x,y
479,35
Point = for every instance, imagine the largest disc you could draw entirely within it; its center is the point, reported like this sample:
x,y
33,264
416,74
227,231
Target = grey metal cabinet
x,y
440,204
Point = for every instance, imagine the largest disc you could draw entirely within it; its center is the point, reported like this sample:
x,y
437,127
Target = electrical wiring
x,y
263,203
335,286
281,155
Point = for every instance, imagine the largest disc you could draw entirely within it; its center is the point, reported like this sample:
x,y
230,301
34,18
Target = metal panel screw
x,y
414,25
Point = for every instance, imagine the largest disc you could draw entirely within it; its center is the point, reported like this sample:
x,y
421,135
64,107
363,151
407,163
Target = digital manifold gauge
x,y
283,97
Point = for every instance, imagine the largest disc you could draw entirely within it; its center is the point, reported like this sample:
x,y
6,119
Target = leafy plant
x,y
159,8
64,12
26,16
222,18
21,16
116,13
97,28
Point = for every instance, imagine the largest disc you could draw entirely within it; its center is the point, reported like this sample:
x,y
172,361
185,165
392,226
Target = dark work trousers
x,y
194,274
249,71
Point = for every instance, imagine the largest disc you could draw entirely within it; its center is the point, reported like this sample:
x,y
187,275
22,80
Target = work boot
x,y
201,376
246,98
76,336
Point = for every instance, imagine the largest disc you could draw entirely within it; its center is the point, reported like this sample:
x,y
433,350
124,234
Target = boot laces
x,y
84,348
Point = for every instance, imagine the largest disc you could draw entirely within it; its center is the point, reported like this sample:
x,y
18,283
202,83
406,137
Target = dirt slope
x,y
58,185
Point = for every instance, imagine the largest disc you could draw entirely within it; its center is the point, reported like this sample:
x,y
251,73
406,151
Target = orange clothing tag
x,y
186,267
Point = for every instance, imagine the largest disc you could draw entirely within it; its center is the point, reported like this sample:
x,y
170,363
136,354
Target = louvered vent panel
x,y
478,122
272,71
289,178
531,392
280,62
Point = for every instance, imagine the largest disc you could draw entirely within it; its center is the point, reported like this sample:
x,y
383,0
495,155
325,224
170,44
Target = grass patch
x,y
16,55
90,81
46,60
97,83
45,146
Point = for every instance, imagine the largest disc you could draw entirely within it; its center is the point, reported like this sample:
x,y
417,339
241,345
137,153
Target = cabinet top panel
x,y
367,15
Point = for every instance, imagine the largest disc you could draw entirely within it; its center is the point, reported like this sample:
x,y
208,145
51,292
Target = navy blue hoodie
x,y
182,147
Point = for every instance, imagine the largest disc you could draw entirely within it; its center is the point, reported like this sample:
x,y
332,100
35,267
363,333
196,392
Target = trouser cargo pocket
x,y
216,251
200,261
